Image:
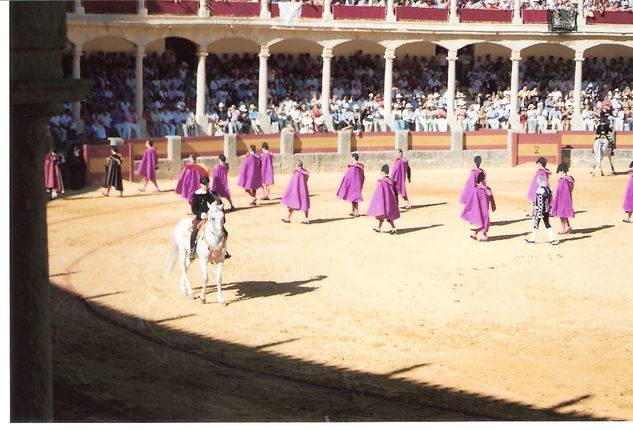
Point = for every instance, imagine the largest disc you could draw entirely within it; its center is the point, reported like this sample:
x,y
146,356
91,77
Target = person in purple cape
x,y
250,176
628,196
296,196
562,203
401,173
542,172
384,203
220,183
471,183
148,166
268,174
477,207
52,175
351,187
189,179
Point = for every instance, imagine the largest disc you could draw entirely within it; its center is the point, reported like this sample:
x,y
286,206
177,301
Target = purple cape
x,y
399,174
52,173
628,196
189,180
296,195
476,209
531,195
384,202
268,175
219,183
250,177
562,204
147,168
351,187
471,183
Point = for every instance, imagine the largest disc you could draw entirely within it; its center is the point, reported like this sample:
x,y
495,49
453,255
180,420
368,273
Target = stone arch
x,y
233,45
108,44
296,46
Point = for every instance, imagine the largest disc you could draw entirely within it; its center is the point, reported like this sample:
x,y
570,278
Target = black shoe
x,y
227,255
192,255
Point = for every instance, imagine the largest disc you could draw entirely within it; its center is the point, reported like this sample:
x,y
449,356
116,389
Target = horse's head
x,y
215,214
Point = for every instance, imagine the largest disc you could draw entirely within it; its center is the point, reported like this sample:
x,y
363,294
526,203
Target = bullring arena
x,y
331,321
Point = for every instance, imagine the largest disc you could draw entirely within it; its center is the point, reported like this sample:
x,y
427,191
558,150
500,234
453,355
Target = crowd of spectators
x,y
545,98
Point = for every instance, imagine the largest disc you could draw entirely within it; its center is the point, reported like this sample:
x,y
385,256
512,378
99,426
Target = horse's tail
x,y
172,258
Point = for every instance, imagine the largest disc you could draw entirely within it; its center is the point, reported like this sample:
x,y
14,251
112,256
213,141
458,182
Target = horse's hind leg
x,y
184,279
218,280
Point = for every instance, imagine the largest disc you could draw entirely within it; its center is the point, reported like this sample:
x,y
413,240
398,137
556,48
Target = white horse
x,y
210,248
600,148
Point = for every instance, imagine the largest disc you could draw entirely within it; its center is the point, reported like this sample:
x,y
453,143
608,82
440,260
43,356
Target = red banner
x,y
169,7
358,12
404,13
307,11
611,17
485,15
220,8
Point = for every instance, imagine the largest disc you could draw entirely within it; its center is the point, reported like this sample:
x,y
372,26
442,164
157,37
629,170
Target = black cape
x,y
113,172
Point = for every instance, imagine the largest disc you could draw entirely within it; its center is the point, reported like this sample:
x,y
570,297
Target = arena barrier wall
x,y
330,151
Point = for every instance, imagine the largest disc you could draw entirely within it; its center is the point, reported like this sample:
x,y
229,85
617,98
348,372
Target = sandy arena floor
x,y
331,321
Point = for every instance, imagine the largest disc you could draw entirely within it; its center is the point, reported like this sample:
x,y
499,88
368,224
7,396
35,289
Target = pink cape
x,y
384,203
471,183
147,168
531,195
250,176
189,180
628,196
52,173
351,187
562,204
399,174
220,183
268,174
476,209
296,196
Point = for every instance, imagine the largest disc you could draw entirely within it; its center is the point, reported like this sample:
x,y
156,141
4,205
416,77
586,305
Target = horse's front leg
x,y
205,275
218,280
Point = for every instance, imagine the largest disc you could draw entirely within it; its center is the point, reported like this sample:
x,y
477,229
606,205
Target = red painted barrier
x,y
100,6
611,17
534,16
220,8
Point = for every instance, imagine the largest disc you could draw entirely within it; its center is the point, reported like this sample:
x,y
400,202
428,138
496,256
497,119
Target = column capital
x,y
452,55
579,57
327,53
78,50
202,54
264,52
140,51
390,54
515,56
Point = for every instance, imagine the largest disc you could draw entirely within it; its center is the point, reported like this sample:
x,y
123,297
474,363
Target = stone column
x,y
37,92
264,53
514,91
138,94
389,57
452,16
326,78
77,53
576,119
450,87
78,8
264,12
230,152
327,10
201,83
140,8
391,16
174,156
203,10
516,13
580,18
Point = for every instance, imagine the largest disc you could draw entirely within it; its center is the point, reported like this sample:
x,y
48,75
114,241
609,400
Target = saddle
x,y
201,225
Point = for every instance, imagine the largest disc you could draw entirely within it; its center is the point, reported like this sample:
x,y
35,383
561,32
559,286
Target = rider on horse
x,y
604,131
201,197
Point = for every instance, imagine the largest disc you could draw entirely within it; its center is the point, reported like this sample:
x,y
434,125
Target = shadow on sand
x,y
110,366
413,229
591,229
